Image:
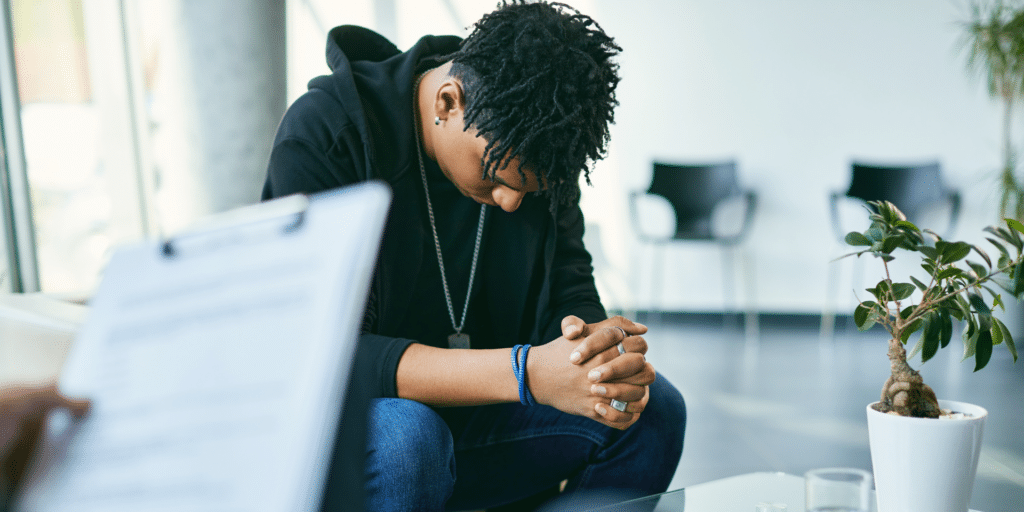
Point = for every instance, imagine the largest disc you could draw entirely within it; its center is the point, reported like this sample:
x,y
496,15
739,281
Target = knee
x,y
665,417
410,456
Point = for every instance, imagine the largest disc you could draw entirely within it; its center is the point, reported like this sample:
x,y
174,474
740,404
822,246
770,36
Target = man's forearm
x,y
455,377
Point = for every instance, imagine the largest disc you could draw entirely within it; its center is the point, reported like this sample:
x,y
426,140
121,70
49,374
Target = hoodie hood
x,y
373,80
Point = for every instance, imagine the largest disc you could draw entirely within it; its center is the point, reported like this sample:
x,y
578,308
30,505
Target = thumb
x,y
572,327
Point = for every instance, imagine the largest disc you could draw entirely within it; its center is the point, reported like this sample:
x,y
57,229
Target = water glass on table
x,y
838,490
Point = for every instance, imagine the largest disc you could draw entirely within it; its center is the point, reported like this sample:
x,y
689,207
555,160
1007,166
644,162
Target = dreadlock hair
x,y
540,85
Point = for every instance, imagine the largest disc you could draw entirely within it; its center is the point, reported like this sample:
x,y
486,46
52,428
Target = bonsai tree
x,y
994,42
955,287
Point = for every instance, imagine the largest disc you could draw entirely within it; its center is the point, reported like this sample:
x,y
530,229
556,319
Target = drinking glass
x,y
838,490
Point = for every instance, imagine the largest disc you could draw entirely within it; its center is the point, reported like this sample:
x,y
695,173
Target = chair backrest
x,y
911,188
694,191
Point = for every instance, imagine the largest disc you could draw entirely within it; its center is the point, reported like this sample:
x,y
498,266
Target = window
x,y
81,155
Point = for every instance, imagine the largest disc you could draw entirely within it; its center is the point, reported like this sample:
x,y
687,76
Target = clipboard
x,y
216,362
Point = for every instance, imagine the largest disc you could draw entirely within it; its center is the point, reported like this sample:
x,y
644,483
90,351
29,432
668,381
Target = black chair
x,y
914,189
695,192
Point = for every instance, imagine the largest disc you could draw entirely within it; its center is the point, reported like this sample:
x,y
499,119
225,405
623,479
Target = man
x,y
483,142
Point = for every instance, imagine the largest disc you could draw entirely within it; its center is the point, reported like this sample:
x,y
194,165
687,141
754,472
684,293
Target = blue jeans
x,y
421,458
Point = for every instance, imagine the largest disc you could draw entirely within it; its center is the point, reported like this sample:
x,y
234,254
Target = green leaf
x,y
1015,225
911,329
997,299
983,255
864,316
964,306
955,252
901,291
956,313
875,233
906,224
978,268
920,285
1017,286
855,238
949,272
885,257
1004,234
895,213
997,333
979,303
999,246
1015,240
891,243
970,336
930,252
880,291
916,349
984,349
945,327
1007,338
930,336
928,266
907,311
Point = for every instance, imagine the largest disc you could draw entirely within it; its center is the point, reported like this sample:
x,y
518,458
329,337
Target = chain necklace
x,y
458,339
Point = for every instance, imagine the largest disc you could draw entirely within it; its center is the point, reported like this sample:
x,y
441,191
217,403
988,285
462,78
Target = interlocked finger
x,y
618,391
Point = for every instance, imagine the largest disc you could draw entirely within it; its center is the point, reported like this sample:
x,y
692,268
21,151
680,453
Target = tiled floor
x,y
790,402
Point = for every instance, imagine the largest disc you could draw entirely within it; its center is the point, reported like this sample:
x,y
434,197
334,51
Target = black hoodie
x,y
356,124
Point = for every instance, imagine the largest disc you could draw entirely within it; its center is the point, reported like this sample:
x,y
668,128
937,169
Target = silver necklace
x,y
458,339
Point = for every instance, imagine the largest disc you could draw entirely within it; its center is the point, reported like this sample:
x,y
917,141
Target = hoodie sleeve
x,y
572,276
317,149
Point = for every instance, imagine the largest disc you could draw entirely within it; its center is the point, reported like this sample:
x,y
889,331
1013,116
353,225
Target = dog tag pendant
x,y
458,340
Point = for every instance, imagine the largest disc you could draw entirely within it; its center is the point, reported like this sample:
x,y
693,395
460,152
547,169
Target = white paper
x,y
216,374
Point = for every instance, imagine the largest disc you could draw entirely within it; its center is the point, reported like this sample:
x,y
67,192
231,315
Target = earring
x,y
437,120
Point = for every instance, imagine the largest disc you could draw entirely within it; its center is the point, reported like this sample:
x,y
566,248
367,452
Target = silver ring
x,y
623,331
618,406
622,349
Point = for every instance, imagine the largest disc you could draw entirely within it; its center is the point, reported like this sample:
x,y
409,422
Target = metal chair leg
x,y
828,310
751,320
656,279
730,305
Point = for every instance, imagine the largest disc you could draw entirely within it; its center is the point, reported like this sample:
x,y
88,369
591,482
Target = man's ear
x,y
450,99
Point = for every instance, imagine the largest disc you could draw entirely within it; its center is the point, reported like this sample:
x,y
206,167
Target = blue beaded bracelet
x,y
519,369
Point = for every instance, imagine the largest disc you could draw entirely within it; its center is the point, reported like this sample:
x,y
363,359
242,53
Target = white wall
x,y
793,89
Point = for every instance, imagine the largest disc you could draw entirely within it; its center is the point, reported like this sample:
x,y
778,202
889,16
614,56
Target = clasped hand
x,y
582,371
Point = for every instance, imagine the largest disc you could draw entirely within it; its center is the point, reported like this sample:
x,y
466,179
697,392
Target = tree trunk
x,y
905,392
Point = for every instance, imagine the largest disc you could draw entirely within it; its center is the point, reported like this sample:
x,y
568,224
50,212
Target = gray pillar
x,y
218,98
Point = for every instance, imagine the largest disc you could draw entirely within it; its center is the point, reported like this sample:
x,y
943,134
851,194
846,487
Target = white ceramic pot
x,y
924,464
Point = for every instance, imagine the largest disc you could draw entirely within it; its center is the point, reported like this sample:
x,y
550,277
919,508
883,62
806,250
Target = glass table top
x,y
733,494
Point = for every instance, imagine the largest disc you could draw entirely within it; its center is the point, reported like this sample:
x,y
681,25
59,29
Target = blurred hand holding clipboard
x,y
217,363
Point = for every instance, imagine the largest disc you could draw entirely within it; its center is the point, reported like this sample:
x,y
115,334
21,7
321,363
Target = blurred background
x,y
130,119
134,117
